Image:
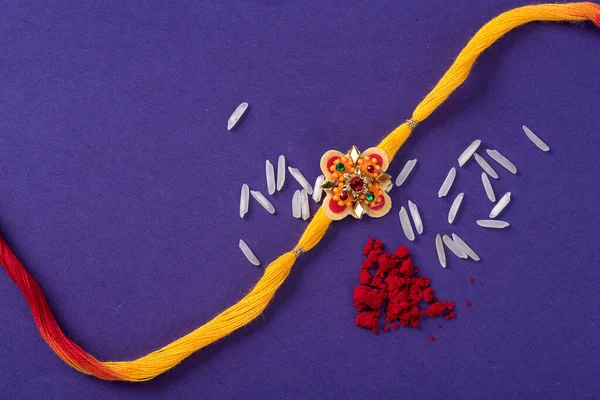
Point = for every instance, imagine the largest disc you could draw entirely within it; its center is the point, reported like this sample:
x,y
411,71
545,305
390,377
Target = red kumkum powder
x,y
391,282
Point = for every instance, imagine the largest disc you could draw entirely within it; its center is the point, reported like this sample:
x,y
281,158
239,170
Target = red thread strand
x,y
51,332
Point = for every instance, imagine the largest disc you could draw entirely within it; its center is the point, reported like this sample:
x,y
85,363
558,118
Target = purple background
x,y
120,193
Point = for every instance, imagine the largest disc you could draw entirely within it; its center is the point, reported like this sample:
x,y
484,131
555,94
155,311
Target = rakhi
x,y
355,186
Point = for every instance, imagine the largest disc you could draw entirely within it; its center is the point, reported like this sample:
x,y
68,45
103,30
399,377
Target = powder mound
x,y
369,246
402,252
366,297
391,282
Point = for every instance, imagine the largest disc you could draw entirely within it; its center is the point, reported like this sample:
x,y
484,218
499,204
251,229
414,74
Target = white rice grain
x,y
454,208
262,200
535,139
468,153
237,114
406,226
244,200
317,189
489,191
447,183
453,247
439,247
280,172
502,203
305,208
296,205
500,159
465,247
248,253
416,216
301,179
492,223
485,166
408,167
270,173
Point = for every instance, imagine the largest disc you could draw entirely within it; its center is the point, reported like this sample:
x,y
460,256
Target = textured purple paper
x,y
120,190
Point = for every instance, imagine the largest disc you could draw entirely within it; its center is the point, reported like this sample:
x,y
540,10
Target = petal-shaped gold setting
x,y
384,177
327,160
377,152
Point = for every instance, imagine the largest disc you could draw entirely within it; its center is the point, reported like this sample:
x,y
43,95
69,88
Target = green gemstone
x,y
340,167
370,197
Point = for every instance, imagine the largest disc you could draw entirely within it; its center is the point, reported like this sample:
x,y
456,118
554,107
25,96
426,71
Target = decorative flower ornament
x,y
355,183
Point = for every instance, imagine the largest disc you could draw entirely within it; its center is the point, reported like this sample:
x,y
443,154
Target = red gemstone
x,y
370,169
356,184
343,196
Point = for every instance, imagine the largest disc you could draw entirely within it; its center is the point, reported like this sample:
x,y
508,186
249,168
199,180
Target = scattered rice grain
x,y
280,172
262,200
535,139
408,167
492,223
270,173
468,153
500,159
439,247
486,167
489,191
447,183
416,216
296,205
304,205
455,206
317,189
406,226
453,247
244,200
465,247
502,203
295,172
237,114
248,253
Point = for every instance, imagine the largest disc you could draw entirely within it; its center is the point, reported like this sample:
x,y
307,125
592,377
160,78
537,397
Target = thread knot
x,y
412,123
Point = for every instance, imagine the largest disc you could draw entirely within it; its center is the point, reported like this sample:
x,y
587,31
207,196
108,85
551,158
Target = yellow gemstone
x,y
359,210
354,154
328,185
